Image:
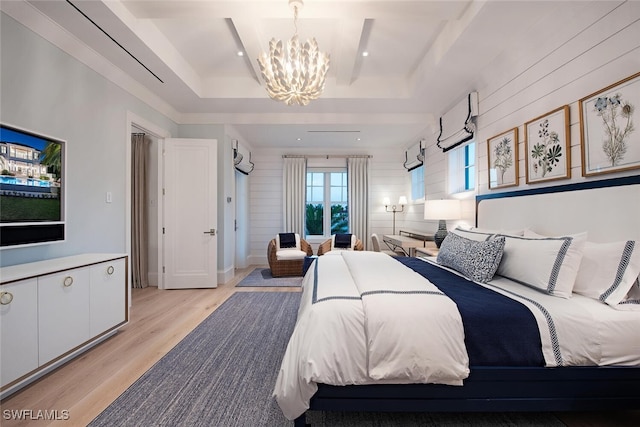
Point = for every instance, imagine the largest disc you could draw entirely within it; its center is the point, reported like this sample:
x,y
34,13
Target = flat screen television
x,y
32,188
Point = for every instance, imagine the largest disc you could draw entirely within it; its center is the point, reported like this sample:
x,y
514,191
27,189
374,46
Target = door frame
x,y
134,120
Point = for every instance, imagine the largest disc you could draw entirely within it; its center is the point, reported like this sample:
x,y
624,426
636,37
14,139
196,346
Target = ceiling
x,y
424,56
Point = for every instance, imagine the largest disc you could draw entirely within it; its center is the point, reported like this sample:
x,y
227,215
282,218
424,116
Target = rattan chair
x,y
282,268
326,246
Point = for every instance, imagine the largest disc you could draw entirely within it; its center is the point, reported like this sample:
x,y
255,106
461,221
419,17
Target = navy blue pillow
x,y
287,240
342,241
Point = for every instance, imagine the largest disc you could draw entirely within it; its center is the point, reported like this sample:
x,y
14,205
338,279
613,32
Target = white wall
x,y
549,75
388,178
47,91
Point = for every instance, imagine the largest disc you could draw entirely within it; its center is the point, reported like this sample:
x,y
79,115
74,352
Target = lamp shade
x,y
402,200
442,209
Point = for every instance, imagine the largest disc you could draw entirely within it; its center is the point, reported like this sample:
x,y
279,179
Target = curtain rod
x,y
326,156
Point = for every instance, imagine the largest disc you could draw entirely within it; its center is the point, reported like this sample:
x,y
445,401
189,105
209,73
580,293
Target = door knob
x,y
211,232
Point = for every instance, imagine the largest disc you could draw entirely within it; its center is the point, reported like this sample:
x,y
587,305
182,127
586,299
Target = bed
x,y
367,339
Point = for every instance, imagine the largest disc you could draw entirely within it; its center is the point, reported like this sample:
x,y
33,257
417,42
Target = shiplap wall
x,y
550,73
605,52
387,178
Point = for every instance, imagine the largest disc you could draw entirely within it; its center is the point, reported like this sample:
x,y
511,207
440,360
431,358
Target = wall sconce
x,y
402,201
441,210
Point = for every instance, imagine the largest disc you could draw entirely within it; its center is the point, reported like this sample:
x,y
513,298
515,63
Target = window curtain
x,y
358,193
139,232
294,194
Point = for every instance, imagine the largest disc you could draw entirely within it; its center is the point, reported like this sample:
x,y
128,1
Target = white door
x,y
190,213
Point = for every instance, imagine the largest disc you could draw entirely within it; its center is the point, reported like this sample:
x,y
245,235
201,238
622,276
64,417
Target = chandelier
x,y
294,76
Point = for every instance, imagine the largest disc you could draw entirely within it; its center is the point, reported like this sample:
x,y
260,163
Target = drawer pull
x,y
68,281
110,270
6,298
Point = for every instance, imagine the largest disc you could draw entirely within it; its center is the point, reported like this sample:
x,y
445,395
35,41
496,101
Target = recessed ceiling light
x,y
240,53
299,139
365,53
357,139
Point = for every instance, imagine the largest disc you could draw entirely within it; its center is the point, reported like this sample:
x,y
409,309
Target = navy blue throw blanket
x,y
498,330
287,240
342,241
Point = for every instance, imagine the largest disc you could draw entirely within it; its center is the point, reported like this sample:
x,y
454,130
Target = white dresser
x,y
51,311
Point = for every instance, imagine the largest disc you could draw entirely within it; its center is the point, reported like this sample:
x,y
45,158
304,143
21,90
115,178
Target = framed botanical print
x,y
502,155
608,128
547,146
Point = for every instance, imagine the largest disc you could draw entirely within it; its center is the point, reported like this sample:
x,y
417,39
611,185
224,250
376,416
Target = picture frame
x,y
547,146
609,120
503,159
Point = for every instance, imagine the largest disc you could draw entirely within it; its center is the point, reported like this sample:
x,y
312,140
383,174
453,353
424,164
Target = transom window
x,y
326,192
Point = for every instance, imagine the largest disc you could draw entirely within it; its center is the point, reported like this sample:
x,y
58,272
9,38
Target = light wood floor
x,y
159,319
85,386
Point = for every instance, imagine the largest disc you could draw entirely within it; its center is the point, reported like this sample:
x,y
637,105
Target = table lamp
x,y
441,210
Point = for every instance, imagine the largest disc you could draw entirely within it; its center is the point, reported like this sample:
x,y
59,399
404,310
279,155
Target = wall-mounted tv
x,y
32,188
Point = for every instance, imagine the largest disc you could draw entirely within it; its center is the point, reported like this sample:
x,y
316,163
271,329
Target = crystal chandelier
x,y
294,76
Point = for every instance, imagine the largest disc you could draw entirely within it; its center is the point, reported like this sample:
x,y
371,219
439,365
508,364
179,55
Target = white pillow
x,y
478,236
632,300
608,270
549,264
518,232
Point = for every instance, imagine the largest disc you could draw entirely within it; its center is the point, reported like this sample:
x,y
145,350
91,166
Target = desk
x,y
427,251
403,243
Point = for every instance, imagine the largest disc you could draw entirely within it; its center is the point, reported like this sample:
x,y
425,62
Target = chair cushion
x,y
288,241
343,242
290,255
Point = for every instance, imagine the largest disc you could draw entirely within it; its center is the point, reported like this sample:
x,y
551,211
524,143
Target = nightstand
x,y
428,251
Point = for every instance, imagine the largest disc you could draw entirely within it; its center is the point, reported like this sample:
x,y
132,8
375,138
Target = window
x,y
462,168
417,183
326,192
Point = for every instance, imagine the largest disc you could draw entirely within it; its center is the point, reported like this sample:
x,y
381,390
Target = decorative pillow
x,y
608,270
549,264
288,241
477,260
343,242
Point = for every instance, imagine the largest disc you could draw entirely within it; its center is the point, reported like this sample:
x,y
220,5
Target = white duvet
x,y
367,318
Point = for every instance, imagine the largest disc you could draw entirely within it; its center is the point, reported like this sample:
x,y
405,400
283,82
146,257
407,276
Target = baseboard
x,y
225,275
153,278
257,260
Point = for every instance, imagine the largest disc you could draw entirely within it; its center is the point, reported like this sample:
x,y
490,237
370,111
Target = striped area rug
x,y
222,375
262,277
